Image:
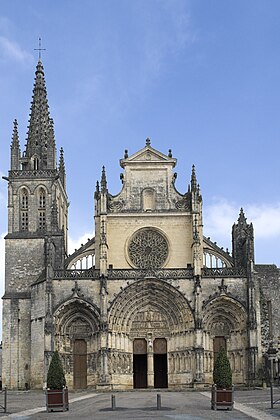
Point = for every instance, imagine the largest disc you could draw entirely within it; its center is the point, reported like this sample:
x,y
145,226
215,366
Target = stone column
x,y
199,361
150,364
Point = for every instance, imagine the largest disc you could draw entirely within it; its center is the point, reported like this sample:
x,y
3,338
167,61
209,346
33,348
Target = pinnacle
x,y
103,180
193,179
61,160
15,138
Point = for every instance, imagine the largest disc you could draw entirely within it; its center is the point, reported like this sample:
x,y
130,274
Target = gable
x,y
148,155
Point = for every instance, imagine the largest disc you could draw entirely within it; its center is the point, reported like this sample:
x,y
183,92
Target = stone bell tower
x,y
37,232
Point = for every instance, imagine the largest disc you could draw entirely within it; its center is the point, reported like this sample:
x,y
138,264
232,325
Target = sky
x,y
200,77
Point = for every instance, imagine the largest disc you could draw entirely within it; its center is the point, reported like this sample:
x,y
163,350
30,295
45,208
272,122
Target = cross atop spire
x,y
39,49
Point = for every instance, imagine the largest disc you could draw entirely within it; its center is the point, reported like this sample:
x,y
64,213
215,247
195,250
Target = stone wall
x,y
268,278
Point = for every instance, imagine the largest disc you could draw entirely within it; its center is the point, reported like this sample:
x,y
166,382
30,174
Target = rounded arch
x,y
214,259
222,315
154,296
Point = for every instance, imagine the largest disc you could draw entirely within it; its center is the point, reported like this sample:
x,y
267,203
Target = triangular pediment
x,y
148,155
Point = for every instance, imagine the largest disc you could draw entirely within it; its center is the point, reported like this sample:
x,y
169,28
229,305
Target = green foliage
x,y
55,378
222,374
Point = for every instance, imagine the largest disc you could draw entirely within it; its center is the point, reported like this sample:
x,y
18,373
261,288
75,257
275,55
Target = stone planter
x,y
57,400
222,398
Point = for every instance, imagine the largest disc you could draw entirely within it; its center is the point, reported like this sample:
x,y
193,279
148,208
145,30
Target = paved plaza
x,y
188,405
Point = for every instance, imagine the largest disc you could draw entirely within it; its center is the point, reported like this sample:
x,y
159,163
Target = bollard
x,y
5,399
158,402
113,400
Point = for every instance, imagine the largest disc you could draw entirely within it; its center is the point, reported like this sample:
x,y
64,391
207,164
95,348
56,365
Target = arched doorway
x,y
153,311
77,338
225,326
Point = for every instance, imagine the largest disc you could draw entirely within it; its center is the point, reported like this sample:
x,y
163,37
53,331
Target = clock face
x,y
148,248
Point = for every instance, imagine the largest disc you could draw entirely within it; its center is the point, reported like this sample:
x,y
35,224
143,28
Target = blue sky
x,y
200,77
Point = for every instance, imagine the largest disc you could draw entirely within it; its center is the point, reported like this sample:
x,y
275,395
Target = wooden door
x,y
160,363
218,342
140,368
80,364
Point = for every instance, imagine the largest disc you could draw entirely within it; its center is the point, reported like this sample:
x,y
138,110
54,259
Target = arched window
x,y
42,209
42,199
24,209
35,163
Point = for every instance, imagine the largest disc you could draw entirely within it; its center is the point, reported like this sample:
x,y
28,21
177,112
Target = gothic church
x,y
148,301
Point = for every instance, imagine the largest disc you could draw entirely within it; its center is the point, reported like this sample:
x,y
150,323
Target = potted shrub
x,y
57,392
222,389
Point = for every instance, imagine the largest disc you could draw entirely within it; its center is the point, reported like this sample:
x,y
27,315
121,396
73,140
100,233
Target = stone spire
x,y
103,180
62,172
15,148
40,136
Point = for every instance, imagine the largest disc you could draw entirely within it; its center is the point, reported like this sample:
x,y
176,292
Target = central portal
x,y
150,365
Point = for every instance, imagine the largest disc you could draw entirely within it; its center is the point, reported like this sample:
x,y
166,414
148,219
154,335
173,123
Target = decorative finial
x,y
125,154
223,288
170,153
148,141
242,219
39,49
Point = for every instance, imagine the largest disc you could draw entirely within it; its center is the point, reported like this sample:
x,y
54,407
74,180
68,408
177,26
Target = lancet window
x,y
24,210
42,209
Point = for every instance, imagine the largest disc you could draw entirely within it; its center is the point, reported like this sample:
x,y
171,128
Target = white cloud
x,y
76,243
222,214
11,50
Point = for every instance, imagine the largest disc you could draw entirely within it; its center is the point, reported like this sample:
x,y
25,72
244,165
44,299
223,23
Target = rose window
x,y
148,249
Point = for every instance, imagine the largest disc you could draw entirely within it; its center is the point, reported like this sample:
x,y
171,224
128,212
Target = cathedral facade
x,y
148,301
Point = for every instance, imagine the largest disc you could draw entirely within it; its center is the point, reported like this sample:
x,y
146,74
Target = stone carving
x,y
166,273
183,204
148,249
148,320
115,206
